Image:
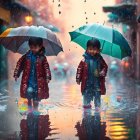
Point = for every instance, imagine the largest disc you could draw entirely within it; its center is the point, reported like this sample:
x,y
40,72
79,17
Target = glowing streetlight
x,y
29,19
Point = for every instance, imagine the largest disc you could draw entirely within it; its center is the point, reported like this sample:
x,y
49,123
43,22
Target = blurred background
x,y
123,79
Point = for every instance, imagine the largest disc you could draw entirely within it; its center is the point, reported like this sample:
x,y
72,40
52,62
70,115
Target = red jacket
x,y
42,71
82,74
42,129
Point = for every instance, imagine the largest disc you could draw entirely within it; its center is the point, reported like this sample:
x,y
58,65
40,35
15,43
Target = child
x,y
91,74
36,73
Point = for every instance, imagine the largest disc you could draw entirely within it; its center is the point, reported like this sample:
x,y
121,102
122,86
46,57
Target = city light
x,y
29,19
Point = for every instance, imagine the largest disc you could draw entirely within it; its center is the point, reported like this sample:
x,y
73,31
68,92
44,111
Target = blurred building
x,y
12,14
15,13
126,13
138,40
3,55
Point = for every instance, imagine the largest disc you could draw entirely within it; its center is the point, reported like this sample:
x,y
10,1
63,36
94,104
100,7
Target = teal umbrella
x,y
112,41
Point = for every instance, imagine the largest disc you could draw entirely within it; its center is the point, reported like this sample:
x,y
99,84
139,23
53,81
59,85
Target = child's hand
x,y
102,73
16,78
78,82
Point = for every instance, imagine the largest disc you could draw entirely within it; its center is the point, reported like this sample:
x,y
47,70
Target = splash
x,y
3,108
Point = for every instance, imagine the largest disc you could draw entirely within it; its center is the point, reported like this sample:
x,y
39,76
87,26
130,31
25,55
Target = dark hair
x,y
35,41
42,50
94,43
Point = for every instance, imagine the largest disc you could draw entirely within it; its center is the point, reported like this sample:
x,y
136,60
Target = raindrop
x,y
85,12
59,5
94,13
85,1
72,26
53,1
86,18
59,12
86,22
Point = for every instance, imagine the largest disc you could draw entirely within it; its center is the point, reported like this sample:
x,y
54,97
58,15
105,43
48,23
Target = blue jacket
x,y
32,82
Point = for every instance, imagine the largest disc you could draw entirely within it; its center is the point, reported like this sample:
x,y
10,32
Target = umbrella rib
x,y
103,44
52,48
97,28
53,51
10,40
111,48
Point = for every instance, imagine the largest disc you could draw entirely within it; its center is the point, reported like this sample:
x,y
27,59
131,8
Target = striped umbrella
x,y
16,39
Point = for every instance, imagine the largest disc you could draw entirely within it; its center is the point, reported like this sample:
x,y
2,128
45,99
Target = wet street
x,y
65,119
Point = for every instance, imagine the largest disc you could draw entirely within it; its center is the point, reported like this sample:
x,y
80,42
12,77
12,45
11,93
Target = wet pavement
x,y
65,119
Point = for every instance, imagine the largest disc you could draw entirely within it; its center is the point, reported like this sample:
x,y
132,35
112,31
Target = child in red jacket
x,y
36,73
91,74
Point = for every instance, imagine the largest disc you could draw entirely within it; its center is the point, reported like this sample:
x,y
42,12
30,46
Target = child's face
x,y
92,50
35,48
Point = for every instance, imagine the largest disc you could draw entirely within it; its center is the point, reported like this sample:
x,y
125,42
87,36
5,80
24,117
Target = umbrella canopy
x,y
112,42
16,39
52,28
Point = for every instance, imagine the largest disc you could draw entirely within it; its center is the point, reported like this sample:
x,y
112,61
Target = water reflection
x,y
36,127
91,127
117,127
119,118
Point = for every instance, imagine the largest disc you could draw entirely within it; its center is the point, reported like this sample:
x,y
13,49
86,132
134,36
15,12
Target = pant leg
x,y
97,98
97,92
86,100
88,96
